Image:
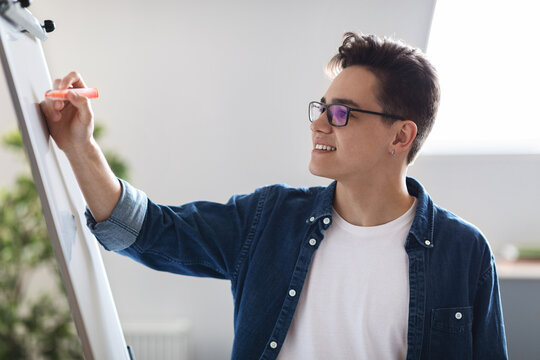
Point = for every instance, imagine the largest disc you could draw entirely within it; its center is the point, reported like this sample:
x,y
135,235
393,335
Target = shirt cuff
x,y
121,229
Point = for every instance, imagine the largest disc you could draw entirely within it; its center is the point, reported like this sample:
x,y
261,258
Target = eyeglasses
x,y
338,115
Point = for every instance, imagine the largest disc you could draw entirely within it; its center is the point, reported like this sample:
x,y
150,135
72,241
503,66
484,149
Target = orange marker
x,y
90,93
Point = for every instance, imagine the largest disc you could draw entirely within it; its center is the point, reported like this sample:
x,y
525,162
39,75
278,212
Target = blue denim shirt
x,y
264,242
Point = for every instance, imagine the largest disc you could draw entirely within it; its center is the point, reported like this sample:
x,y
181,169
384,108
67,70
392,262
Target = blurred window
x,y
487,57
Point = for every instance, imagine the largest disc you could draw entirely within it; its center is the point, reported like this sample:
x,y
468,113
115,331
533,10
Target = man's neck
x,y
373,201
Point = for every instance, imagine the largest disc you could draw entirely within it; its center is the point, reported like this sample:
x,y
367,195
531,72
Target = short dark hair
x,y
408,83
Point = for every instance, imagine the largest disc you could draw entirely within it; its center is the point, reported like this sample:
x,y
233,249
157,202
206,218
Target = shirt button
x,y
312,219
292,293
312,242
326,221
427,242
273,344
458,315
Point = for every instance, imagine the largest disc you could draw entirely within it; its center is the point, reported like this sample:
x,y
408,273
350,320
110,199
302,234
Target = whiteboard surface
x,y
76,249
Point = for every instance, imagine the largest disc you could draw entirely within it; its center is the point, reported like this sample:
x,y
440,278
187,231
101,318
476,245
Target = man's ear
x,y
405,133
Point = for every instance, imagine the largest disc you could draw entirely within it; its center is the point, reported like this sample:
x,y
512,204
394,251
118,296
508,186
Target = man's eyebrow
x,y
342,101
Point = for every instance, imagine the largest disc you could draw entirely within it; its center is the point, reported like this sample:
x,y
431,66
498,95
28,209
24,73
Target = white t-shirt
x,y
355,301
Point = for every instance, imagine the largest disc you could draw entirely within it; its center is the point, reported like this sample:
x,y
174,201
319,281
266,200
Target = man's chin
x,y
320,172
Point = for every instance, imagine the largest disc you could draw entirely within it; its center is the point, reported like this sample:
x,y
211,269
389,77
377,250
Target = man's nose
x,y
321,123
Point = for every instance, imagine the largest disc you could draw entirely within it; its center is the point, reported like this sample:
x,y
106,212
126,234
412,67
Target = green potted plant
x,y
39,326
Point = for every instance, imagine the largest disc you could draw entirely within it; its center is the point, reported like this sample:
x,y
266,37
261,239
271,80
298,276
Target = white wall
x,y
497,193
209,98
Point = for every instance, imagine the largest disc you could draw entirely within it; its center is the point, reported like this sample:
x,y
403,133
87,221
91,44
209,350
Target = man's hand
x,y
71,122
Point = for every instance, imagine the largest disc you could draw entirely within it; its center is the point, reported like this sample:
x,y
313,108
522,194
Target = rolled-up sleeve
x,y
121,229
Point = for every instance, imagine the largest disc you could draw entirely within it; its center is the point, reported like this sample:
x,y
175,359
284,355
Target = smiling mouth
x,y
324,147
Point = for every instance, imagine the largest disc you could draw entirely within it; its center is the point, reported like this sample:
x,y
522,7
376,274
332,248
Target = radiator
x,y
158,341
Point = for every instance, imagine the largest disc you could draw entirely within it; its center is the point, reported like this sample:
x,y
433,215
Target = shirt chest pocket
x,y
451,333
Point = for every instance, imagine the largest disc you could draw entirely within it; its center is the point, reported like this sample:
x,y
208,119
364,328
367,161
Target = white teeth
x,y
324,147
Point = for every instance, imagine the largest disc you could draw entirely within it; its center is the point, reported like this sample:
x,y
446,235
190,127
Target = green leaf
x,y
118,166
13,140
99,130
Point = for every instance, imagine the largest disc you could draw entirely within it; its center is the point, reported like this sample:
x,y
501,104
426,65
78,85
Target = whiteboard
x,y
76,249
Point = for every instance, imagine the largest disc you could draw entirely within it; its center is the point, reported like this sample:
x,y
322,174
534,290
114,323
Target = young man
x,y
366,268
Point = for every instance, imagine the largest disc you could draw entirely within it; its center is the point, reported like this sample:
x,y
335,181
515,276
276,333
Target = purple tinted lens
x,y
338,114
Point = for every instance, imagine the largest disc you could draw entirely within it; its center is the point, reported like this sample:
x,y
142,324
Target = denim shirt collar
x,y
421,229
323,204
422,226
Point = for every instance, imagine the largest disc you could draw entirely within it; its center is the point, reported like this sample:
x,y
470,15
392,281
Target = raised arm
x,y
71,125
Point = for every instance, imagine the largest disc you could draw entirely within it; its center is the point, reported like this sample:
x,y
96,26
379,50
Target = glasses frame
x,y
326,108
